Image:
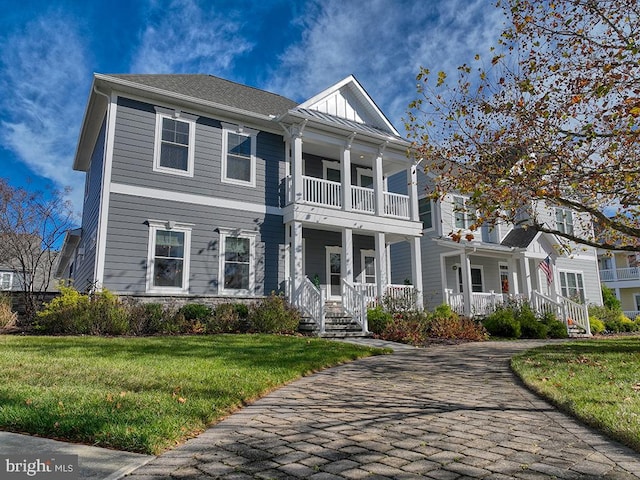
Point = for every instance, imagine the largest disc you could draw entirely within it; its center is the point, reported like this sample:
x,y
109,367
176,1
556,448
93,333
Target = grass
x,y
147,394
597,381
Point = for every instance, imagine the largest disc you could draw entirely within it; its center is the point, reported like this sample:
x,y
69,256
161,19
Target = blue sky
x,y
49,50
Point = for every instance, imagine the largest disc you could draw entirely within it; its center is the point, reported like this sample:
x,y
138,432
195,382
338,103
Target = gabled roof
x,y
349,101
214,89
519,237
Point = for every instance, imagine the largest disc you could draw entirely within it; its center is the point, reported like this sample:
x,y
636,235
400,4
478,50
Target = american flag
x,y
545,266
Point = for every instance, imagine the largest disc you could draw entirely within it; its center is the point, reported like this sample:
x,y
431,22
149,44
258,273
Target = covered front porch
x,y
478,281
347,270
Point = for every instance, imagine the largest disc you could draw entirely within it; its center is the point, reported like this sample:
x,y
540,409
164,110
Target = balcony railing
x,y
620,274
326,193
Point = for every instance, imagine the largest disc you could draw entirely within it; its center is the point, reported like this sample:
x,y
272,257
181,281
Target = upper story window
x,y
168,257
633,260
174,142
365,177
462,217
6,280
239,155
331,170
564,220
425,212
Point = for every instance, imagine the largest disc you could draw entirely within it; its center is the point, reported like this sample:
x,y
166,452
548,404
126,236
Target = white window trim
x,y
225,233
363,254
2,274
500,271
433,206
330,164
466,212
564,223
636,300
228,128
459,268
576,272
154,226
162,113
328,251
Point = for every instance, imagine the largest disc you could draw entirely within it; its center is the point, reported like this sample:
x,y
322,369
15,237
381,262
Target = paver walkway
x,y
442,412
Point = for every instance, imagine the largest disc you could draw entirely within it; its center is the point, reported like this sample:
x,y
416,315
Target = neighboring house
x,y
201,187
620,271
479,272
25,265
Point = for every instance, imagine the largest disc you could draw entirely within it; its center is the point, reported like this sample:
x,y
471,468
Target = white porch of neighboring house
x,y
479,280
624,281
340,220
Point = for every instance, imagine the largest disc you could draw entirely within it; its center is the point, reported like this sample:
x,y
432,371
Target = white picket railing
x,y
370,292
624,274
322,192
543,304
311,301
363,199
454,300
396,205
485,303
576,314
354,303
632,314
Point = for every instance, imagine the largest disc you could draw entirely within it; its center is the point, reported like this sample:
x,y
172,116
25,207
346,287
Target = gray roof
x,y
519,237
215,89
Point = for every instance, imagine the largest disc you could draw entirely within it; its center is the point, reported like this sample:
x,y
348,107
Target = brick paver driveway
x,y
441,412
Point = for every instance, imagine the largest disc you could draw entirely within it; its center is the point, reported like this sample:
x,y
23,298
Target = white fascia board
x,y
358,222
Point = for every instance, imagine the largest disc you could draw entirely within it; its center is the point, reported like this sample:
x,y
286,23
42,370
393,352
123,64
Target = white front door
x,y
334,272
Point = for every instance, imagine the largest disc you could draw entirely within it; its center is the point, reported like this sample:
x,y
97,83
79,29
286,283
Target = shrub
x,y
7,316
597,326
107,315
145,318
502,323
196,316
610,318
457,328
532,328
555,328
406,327
225,319
65,314
273,315
378,319
627,324
609,299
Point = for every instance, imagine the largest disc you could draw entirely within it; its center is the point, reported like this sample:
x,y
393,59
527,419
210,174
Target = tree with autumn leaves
x,y
552,115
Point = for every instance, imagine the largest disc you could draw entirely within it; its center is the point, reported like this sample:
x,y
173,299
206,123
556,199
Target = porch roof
x,y
520,237
475,247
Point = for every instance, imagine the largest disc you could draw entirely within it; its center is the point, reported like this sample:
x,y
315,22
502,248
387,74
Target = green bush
x,y
502,323
597,325
532,328
628,325
609,299
226,319
407,327
378,319
68,313
555,328
145,318
273,315
456,328
196,317
107,315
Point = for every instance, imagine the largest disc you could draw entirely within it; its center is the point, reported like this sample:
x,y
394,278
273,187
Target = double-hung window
x,y
425,213
564,220
6,280
168,257
462,217
174,146
572,286
239,155
237,260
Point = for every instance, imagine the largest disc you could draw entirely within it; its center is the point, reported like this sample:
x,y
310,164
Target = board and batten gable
x,y
84,265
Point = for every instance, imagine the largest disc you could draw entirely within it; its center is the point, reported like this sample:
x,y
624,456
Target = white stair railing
x,y
354,302
454,300
310,300
543,304
576,314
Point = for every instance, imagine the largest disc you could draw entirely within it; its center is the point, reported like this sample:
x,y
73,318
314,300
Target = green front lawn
x,y
596,380
147,394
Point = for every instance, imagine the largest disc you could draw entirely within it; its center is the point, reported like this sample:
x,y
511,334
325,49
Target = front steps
x,y
337,324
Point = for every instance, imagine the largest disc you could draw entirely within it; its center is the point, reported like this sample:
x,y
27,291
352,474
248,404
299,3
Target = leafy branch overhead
x,y
552,114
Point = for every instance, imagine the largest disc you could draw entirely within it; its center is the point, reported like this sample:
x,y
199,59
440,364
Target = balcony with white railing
x,y
620,274
325,193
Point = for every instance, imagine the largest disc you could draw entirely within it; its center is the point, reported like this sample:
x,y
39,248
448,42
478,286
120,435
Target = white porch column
x,y
412,174
295,255
381,265
346,257
296,166
526,276
345,175
378,183
467,294
416,270
514,288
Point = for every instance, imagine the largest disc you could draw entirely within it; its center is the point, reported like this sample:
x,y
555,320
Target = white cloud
x,y
383,43
183,38
44,73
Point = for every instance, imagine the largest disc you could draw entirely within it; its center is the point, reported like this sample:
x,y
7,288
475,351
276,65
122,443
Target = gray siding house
x,y
489,266
200,187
